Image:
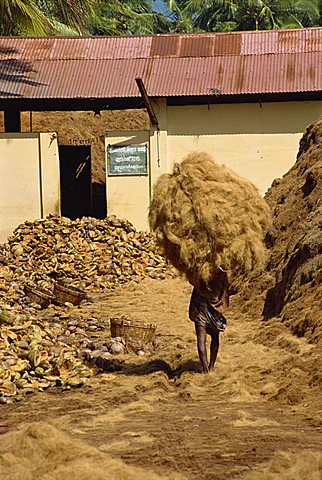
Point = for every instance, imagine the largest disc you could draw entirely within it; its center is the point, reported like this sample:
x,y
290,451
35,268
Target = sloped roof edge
x,y
171,65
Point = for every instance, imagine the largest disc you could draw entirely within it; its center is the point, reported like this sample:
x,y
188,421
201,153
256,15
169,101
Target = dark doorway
x,y
75,181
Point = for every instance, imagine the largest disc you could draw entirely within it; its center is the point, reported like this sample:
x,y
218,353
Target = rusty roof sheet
x,y
235,63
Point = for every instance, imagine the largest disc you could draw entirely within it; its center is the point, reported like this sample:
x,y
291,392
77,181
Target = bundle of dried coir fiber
x,y
207,218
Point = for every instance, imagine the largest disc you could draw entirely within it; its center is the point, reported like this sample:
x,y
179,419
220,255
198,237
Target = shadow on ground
x,y
146,368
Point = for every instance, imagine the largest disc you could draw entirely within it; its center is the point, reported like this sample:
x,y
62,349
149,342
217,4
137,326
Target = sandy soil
x,y
257,416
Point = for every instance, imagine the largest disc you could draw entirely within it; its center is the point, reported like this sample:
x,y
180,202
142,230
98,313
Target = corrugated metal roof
x,y
237,63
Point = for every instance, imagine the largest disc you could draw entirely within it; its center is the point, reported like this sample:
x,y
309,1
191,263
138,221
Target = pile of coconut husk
x,y
41,348
33,357
56,348
295,241
89,254
208,219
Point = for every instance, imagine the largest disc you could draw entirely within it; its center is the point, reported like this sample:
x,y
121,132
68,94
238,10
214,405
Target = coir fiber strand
x,y
207,218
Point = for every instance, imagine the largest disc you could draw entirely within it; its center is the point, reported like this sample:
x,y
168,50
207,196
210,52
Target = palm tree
x,y
183,15
135,17
217,15
274,14
304,13
41,17
67,15
18,16
126,17
143,20
214,15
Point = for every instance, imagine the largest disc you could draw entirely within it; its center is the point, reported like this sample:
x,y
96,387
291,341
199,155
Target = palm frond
x,y
62,29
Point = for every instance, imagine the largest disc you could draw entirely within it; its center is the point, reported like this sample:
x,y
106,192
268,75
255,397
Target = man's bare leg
x,y
214,347
201,344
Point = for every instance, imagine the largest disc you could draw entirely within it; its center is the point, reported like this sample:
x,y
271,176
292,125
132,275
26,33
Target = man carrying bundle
x,y
203,311
210,224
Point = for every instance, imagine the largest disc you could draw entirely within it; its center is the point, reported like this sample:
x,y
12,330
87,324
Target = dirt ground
x,y
257,416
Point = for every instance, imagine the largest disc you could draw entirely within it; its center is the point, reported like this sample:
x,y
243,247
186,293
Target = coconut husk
x,y
208,219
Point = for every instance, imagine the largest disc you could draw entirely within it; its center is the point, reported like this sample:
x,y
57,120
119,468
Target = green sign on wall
x,y
127,160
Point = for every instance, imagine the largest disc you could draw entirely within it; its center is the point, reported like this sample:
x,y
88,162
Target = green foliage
x,y
138,17
80,17
22,17
226,15
126,17
40,17
72,13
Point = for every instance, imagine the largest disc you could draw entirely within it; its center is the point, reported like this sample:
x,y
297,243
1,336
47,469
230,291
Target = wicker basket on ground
x,y
136,329
38,295
64,293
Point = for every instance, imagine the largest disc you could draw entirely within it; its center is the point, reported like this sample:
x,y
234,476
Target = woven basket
x,y
39,295
68,294
121,327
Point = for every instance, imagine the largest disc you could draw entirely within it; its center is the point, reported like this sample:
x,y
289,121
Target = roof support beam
x,y
146,101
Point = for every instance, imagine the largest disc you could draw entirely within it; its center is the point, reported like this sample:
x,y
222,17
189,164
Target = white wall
x,y
258,141
128,196
29,180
